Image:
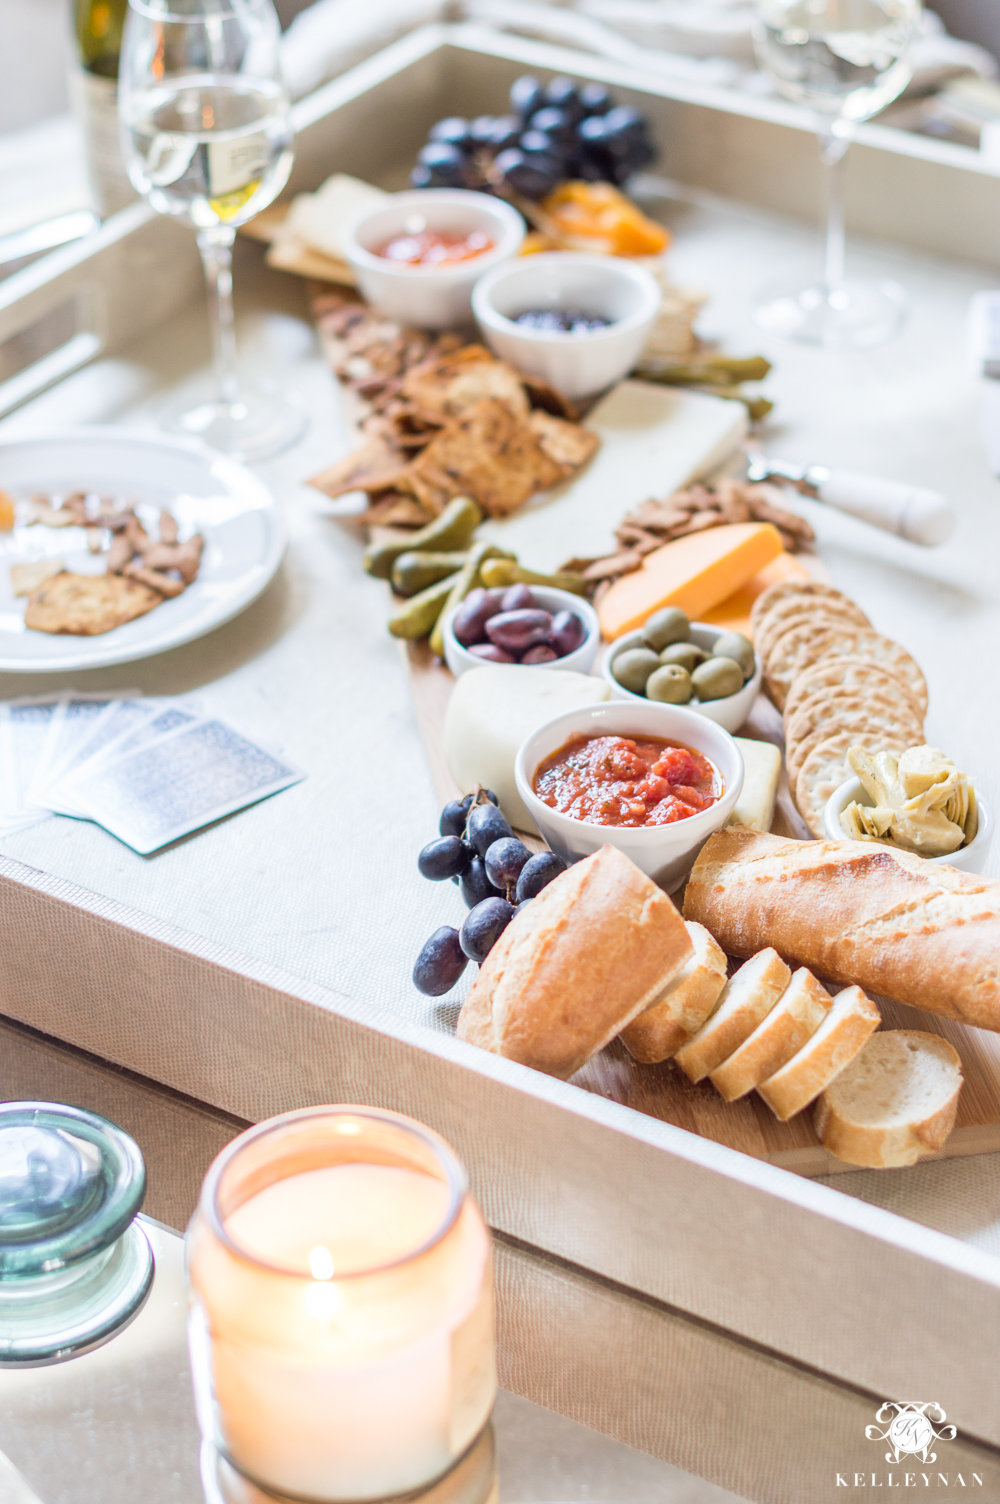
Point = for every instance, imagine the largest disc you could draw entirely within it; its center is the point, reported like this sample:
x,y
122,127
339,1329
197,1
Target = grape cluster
x,y
497,877
555,131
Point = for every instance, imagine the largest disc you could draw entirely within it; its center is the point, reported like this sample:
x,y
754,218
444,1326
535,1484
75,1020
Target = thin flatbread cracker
x,y
85,605
447,386
26,578
570,445
848,672
487,454
376,467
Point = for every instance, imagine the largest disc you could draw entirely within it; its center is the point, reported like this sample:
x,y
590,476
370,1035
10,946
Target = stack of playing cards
x,y
148,770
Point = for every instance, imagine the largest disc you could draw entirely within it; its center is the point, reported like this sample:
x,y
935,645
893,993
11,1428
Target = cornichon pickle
x,y
413,572
452,530
467,579
499,573
416,619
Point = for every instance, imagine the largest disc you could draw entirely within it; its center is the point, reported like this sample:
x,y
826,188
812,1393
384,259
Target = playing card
x,y
73,722
13,814
165,789
122,732
29,722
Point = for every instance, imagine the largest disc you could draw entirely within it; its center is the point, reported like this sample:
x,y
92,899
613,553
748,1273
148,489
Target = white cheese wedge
x,y
493,710
761,772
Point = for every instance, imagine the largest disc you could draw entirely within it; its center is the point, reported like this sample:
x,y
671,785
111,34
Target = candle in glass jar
x,y
341,1314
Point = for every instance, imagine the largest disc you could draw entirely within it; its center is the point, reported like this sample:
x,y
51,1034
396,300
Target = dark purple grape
x,y
490,653
474,885
483,927
622,127
589,171
506,132
541,653
516,631
469,623
445,163
421,177
454,816
525,96
594,99
567,633
446,857
440,963
540,144
454,131
537,873
559,125
485,825
518,598
533,176
562,92
481,130
504,861
492,797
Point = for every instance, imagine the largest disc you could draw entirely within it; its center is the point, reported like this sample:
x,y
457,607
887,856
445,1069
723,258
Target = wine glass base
x,y
849,317
258,424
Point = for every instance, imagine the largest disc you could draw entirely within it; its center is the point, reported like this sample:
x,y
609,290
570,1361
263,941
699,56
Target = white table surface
x,y
321,879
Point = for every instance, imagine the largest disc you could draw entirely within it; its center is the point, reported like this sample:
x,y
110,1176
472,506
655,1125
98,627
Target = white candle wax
x,y
331,1382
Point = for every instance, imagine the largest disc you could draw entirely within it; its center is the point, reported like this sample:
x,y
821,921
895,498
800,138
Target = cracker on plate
x,y
446,386
848,671
487,454
26,578
85,605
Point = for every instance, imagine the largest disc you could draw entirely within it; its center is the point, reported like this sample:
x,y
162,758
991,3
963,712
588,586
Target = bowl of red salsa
x,y
653,780
417,256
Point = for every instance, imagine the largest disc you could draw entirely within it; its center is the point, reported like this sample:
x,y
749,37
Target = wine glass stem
x,y
834,149
216,247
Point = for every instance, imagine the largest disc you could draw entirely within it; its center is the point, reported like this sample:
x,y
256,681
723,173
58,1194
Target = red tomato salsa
x,y
435,247
618,780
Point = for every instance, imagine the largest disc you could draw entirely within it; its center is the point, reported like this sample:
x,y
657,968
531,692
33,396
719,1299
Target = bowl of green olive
x,y
680,662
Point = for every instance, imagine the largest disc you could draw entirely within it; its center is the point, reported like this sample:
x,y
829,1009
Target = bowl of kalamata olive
x,y
528,624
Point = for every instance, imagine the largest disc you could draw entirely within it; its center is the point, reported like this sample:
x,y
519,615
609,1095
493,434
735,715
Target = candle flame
x,y
321,1263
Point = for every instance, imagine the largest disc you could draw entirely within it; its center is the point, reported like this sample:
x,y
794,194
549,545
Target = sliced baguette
x,y
682,1009
796,1017
896,1100
746,999
842,1034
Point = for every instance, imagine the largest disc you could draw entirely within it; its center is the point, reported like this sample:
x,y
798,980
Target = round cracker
x,y
790,651
799,648
836,711
863,729
770,597
848,672
821,775
816,614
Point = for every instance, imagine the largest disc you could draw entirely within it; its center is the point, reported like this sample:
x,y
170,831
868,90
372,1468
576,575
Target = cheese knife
x,y
911,512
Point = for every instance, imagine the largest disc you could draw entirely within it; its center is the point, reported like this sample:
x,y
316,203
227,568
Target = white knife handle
x,y
911,512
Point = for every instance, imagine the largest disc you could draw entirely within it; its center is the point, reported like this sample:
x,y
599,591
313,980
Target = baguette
x,y
746,999
796,1017
595,947
843,1033
690,997
854,911
895,1102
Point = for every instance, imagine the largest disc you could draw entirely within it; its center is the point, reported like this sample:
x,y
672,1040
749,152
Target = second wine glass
x,y
846,59
208,140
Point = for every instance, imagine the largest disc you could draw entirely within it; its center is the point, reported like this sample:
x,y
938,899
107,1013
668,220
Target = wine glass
x,y
207,139
848,59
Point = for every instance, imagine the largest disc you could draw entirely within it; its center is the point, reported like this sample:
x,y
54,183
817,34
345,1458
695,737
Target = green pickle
x,y
452,531
416,619
413,572
465,581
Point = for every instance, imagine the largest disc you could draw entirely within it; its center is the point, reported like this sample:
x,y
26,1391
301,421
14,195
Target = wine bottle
x,y
99,26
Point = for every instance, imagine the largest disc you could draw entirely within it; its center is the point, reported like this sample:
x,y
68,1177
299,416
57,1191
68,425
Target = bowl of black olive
x,y
532,625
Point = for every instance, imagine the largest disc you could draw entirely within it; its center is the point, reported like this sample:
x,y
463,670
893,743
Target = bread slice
x,y
746,999
896,1100
690,997
802,1008
842,1034
594,948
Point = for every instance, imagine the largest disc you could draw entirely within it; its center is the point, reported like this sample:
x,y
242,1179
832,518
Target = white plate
x,y
243,529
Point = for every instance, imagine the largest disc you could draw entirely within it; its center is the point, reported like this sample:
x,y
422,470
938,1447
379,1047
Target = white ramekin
x,y
666,853
578,364
581,660
730,712
971,858
425,296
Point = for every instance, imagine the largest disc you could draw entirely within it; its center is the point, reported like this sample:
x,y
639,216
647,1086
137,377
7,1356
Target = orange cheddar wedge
x,y
694,573
733,614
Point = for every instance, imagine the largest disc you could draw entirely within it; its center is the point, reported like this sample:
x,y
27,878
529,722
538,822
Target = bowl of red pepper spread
x,y
628,781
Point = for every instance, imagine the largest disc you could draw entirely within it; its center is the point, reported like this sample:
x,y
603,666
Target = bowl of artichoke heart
x,y
680,662
917,801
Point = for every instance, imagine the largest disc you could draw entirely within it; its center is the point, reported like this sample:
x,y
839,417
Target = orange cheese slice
x,y
733,614
694,573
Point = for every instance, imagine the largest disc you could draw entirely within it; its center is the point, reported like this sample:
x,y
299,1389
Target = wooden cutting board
x,y
663,1091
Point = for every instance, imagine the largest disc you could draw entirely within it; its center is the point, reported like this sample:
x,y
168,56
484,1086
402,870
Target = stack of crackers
x,y
838,682
444,419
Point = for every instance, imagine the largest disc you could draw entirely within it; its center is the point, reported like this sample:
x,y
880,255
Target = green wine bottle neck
x,y
99,25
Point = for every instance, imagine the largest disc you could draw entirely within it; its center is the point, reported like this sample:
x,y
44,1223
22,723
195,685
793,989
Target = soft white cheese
x,y
761,772
493,710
